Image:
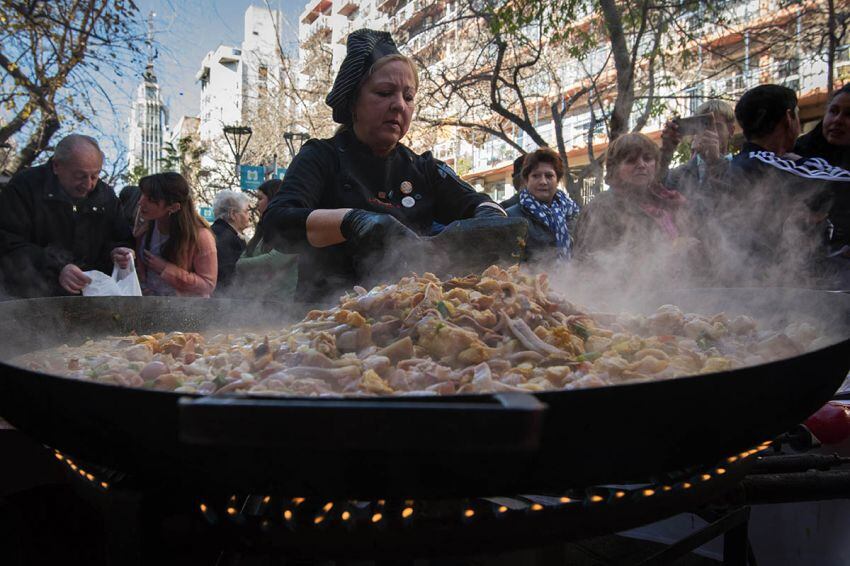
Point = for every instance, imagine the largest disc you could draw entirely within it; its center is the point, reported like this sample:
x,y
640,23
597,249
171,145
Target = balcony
x,y
387,6
346,7
315,9
416,11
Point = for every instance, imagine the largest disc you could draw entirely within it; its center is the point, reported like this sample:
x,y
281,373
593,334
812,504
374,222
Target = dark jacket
x,y
814,144
777,218
540,243
341,172
42,230
705,187
229,246
613,220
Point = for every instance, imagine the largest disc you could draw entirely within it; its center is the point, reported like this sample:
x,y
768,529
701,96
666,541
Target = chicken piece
x,y
716,364
372,383
139,353
668,319
445,341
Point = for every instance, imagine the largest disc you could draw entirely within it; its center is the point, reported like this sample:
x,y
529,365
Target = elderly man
x,y
58,220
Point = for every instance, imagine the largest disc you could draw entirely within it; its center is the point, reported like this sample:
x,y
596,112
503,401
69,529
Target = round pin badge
x,y
408,202
406,187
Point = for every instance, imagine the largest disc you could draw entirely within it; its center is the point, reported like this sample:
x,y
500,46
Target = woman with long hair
x,y
175,248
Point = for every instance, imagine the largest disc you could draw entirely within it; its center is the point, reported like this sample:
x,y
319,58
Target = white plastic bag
x,y
124,282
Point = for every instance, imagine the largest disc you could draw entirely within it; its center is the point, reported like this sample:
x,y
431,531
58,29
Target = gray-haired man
x,y
58,220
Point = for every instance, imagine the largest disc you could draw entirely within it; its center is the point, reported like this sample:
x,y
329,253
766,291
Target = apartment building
x,y
234,79
148,125
729,59
330,21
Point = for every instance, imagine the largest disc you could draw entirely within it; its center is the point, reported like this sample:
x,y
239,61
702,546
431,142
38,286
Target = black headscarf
x,y
363,48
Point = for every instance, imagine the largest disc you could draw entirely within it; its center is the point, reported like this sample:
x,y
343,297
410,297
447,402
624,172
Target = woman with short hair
x,y
830,140
232,217
637,212
547,209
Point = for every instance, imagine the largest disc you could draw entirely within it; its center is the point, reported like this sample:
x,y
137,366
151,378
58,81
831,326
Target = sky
x,y
185,30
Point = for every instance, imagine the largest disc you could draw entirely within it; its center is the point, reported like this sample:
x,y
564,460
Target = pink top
x,y
200,279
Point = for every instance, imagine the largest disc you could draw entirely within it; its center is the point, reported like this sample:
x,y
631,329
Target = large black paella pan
x,y
385,446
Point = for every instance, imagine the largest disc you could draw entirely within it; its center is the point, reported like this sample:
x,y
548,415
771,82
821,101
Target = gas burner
x,y
328,529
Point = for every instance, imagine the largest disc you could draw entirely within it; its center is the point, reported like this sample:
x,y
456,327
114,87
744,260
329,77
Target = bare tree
x,y
53,60
510,72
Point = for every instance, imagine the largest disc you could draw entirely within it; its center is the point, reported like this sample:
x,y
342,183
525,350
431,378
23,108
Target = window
x,y
263,75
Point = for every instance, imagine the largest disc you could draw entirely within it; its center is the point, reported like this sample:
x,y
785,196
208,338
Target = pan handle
x,y
503,422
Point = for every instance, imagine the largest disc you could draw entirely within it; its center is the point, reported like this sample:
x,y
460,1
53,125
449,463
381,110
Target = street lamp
x,y
291,138
237,138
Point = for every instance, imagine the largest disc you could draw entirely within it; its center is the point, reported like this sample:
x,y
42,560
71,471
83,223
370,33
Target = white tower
x,y
148,117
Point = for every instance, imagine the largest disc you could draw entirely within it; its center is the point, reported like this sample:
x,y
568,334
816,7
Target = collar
x,y
750,146
350,142
95,201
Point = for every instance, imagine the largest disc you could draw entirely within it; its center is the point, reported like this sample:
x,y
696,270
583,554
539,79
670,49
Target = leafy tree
x,y
135,174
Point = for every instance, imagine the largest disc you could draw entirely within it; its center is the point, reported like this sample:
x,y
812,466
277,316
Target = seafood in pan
x,y
502,330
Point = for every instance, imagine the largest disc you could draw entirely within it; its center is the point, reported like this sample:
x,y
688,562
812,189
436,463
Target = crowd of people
x,y
775,212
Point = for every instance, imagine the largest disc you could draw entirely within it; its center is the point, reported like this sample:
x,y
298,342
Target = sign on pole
x,y
251,177
206,213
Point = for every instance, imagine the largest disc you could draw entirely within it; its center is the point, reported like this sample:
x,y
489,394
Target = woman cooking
x,y
358,201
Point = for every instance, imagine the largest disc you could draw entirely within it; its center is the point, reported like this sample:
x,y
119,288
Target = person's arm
x,y
120,233
457,199
670,140
324,227
202,279
284,223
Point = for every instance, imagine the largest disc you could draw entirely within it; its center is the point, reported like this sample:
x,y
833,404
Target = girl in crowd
x,y
547,209
175,248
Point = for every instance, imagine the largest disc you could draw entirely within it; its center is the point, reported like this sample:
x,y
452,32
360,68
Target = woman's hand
x,y
374,230
122,256
154,262
670,137
707,145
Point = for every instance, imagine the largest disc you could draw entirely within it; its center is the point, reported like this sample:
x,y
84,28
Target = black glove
x,y
372,230
488,210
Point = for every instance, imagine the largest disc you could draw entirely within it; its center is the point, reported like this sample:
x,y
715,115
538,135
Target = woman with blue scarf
x,y
548,211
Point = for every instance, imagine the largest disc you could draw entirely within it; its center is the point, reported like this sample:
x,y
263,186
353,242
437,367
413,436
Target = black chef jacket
x,y
342,172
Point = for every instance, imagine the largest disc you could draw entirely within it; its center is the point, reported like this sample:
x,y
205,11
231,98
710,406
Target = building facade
x,y
148,125
727,58
233,81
